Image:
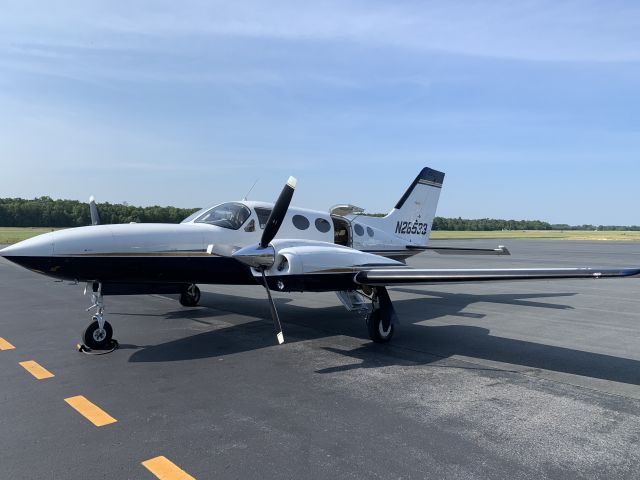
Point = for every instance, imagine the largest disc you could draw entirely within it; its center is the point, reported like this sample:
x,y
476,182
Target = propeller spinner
x,y
263,255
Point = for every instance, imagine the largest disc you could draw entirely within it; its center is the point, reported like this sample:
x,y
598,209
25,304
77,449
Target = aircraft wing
x,y
402,276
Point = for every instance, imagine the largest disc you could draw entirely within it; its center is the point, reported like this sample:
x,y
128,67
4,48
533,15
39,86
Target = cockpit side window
x,y
227,215
263,215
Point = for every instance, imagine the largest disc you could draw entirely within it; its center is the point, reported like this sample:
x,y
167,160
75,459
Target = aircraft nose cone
x,y
9,251
40,246
33,253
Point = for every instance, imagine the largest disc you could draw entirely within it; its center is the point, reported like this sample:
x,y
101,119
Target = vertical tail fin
x,y
412,217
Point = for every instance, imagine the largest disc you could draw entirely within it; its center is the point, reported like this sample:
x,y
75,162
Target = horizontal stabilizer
x,y
501,250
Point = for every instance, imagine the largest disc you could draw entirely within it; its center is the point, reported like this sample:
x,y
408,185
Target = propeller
x,y
263,255
279,211
95,217
274,311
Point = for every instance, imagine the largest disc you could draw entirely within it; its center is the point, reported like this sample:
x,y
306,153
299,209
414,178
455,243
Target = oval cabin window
x,y
370,231
322,225
358,229
300,222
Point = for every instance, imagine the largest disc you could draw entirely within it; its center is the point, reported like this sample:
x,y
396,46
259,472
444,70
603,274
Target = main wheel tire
x,y
96,338
190,297
377,332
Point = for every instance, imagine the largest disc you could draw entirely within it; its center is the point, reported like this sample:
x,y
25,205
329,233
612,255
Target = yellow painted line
x,y
37,370
165,469
90,411
4,345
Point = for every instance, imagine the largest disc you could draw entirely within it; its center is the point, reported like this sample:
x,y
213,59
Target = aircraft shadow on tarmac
x,y
413,345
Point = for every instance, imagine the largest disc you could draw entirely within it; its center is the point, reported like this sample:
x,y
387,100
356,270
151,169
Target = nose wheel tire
x,y
376,329
190,297
97,338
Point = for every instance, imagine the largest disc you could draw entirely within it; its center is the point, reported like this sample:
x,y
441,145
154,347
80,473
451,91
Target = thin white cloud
x,y
78,65
529,30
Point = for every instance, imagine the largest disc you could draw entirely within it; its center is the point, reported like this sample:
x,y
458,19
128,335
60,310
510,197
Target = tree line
x,y
46,212
488,224
492,224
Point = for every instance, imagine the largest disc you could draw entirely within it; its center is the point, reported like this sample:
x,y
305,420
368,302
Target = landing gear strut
x,y
382,316
190,296
99,334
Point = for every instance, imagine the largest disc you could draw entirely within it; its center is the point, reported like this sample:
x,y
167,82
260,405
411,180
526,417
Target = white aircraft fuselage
x,y
178,254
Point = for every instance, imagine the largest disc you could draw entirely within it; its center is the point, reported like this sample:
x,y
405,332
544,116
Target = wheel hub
x,y
99,334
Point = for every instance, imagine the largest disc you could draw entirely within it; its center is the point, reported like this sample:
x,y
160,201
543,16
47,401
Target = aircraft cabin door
x,y
342,231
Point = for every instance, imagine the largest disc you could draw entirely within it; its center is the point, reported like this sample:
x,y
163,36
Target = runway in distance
x,y
343,251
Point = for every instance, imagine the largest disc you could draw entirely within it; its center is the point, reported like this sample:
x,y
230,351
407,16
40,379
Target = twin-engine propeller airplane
x,y
355,256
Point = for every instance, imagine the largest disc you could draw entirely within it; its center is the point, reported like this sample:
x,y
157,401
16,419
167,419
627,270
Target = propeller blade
x,y
95,217
279,211
274,312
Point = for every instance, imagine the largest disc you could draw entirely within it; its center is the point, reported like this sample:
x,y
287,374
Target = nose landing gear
x,y
98,337
99,333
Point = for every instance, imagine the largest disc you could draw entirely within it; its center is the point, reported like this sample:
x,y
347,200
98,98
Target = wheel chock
x,y
82,348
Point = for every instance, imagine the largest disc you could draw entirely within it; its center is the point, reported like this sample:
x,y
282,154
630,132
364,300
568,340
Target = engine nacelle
x,y
318,266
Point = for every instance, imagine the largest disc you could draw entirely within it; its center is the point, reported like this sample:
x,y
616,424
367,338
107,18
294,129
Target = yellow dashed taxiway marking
x,y
165,469
36,370
4,345
90,411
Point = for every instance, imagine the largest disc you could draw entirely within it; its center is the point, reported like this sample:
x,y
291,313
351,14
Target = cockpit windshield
x,y
227,215
194,215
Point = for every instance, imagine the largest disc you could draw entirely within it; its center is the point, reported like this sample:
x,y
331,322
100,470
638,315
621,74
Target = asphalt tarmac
x,y
528,379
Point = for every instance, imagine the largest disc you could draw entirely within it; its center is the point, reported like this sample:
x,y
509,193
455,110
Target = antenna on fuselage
x,y
245,198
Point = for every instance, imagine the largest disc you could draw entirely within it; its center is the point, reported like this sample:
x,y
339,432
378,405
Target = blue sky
x,y
531,108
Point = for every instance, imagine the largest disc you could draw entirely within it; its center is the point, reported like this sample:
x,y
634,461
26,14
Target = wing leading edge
x,y
402,276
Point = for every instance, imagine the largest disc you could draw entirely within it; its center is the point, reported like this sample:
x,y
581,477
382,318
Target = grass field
x,y
12,235
533,234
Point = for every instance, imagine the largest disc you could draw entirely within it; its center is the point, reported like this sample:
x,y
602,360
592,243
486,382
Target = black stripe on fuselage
x,y
143,269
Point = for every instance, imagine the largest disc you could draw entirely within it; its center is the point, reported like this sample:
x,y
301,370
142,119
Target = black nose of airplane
x,y
34,253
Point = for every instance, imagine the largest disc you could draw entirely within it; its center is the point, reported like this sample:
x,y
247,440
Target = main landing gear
x,y
99,334
382,317
376,328
190,296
